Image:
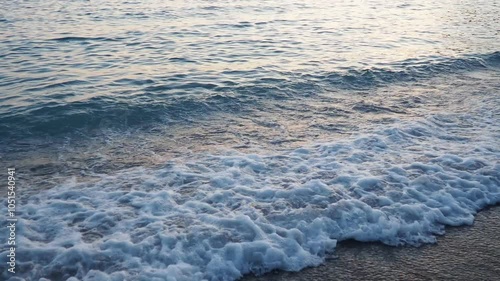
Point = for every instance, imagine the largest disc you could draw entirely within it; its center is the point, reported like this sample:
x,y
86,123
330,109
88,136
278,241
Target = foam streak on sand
x,y
214,217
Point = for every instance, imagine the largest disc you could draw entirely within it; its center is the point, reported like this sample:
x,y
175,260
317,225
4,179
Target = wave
x,y
82,39
218,217
407,71
102,113
157,104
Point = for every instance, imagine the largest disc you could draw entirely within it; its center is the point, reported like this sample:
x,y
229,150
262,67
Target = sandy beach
x,y
463,253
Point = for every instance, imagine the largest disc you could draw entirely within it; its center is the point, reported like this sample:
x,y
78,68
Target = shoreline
x,y
463,253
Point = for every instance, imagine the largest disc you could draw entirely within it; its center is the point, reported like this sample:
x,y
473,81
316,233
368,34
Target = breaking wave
x,y
218,217
157,102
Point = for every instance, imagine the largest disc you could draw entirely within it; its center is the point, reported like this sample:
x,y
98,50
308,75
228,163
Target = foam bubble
x,y
218,217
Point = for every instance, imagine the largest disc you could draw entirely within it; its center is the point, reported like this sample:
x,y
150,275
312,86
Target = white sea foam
x,y
217,217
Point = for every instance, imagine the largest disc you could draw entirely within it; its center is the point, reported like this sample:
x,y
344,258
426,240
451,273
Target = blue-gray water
x,y
197,140
69,65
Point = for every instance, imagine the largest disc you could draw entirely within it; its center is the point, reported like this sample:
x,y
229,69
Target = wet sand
x,y
463,253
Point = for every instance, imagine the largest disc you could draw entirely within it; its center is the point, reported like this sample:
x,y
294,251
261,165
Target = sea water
x,y
205,140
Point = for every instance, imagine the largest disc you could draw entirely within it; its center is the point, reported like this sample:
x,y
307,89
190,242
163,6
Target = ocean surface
x,y
206,140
